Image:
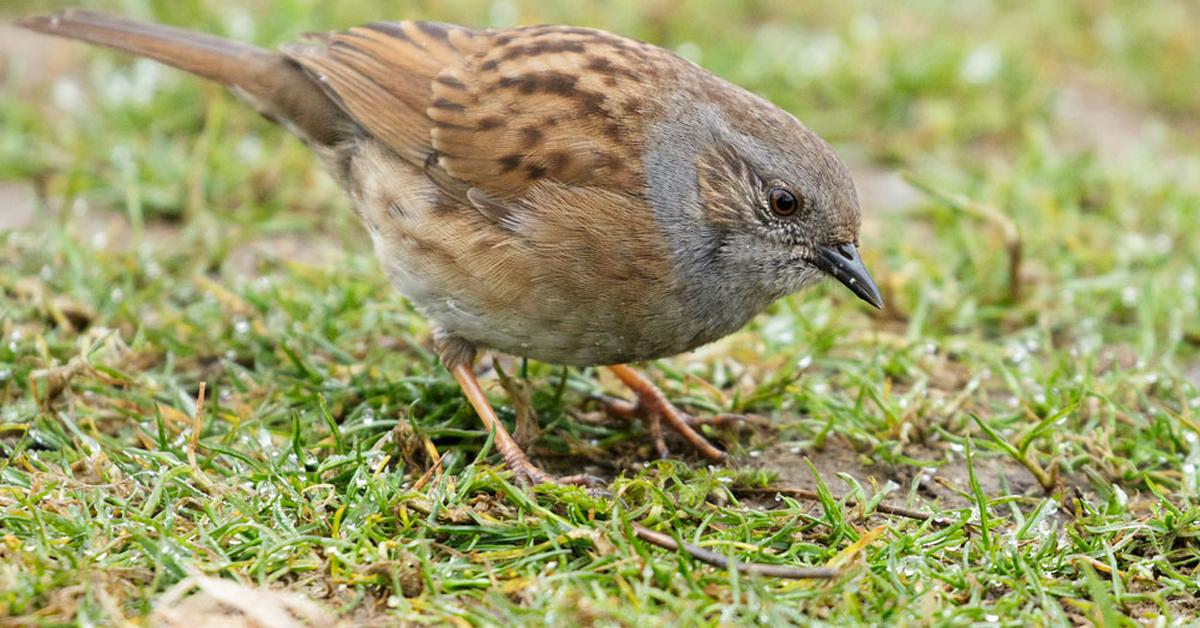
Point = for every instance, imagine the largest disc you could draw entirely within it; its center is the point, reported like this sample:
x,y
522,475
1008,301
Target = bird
x,y
556,193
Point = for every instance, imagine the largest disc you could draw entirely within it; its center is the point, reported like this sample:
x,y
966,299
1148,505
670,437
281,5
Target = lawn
x,y
212,403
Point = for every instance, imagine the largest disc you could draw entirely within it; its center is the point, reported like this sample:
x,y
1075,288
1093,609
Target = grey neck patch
x,y
719,293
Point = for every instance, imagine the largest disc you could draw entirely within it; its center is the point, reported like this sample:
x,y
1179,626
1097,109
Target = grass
x,y
1033,382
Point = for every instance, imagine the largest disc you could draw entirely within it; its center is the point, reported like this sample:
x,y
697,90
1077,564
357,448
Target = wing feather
x,y
501,111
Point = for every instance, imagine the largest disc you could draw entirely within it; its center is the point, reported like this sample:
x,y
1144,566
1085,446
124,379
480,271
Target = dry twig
x,y
717,560
805,494
197,421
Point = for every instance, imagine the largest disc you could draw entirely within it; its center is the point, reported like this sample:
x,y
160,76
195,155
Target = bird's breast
x,y
574,277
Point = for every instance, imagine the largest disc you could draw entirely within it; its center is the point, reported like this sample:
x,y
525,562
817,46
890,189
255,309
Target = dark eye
x,y
783,202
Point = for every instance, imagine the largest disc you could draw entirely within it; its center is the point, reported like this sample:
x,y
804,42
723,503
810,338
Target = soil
x,y
18,206
946,484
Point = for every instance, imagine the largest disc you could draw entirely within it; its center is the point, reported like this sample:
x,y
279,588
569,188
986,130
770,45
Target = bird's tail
x,y
274,84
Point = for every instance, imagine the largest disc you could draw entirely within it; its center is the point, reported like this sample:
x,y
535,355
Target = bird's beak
x,y
843,263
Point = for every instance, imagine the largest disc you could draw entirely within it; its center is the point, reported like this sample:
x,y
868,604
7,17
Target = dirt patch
x,y
35,60
18,205
944,482
1090,117
940,475
293,248
882,189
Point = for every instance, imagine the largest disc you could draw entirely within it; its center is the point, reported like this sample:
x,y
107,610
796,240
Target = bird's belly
x,y
547,317
580,336
558,318
527,294
485,283
511,306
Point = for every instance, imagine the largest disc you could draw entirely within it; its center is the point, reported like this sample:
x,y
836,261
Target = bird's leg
x,y
632,411
514,458
652,404
458,355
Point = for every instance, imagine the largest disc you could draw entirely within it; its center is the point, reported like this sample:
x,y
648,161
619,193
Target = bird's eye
x,y
783,202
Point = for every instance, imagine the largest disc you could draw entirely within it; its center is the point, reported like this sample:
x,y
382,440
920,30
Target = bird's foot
x,y
653,407
621,408
530,474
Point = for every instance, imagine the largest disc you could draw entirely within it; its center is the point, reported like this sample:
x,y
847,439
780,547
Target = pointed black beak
x,y
843,263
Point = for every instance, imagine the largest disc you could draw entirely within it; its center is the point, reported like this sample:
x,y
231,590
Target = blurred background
x,y
1030,180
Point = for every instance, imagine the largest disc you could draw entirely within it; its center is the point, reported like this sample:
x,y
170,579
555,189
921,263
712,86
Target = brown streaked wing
x,y
382,74
501,110
546,103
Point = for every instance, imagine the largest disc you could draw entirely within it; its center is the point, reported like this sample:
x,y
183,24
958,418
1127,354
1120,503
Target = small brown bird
x,y
558,193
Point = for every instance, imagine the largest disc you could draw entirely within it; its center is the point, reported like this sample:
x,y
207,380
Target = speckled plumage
x,y
524,220
559,193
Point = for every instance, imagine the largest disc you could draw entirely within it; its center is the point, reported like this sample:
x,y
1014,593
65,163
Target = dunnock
x,y
557,193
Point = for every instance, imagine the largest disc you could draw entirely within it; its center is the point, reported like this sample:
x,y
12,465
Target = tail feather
x,y
274,84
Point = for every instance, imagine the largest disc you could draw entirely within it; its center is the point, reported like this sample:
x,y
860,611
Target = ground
x,y
1030,178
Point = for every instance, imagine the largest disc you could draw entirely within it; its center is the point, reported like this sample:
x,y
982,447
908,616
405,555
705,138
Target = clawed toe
x,y
529,474
618,407
623,409
653,406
